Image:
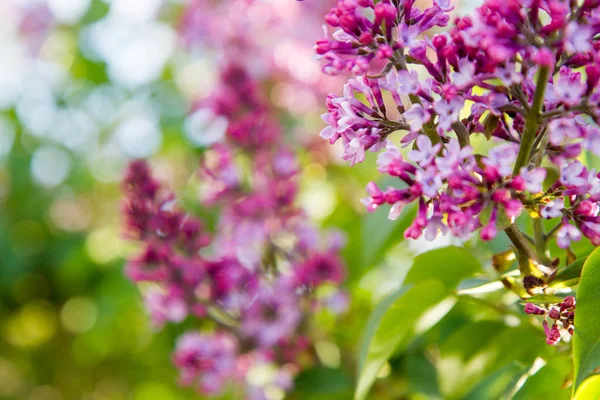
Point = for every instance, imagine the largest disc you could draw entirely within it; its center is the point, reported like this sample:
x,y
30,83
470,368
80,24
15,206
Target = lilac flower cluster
x,y
367,33
259,274
512,71
523,75
561,316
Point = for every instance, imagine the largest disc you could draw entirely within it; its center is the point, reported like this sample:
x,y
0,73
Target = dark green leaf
x,y
570,274
421,375
323,381
477,350
586,348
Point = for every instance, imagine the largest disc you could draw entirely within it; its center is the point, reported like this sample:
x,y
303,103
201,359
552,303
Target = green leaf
x,y
494,386
589,389
586,348
543,299
478,350
399,317
449,264
570,274
421,374
548,382
323,382
379,234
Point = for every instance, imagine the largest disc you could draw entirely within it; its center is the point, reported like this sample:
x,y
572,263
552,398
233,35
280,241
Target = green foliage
x,y
322,383
544,299
379,234
450,265
589,389
407,312
549,382
479,349
412,309
569,276
586,341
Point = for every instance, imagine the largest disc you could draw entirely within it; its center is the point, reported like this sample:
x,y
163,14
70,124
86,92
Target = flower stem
x,y
520,242
552,231
532,120
527,141
540,241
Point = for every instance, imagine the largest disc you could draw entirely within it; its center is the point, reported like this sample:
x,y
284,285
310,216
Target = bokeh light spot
x,y
11,380
50,166
154,391
104,245
78,315
32,326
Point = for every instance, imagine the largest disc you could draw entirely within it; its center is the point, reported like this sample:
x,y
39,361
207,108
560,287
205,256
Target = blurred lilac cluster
x,y
258,276
523,73
259,272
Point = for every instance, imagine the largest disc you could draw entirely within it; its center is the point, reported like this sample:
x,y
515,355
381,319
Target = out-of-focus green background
x,y
74,107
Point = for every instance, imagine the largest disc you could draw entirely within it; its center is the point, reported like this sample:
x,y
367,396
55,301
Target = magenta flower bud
x,y
501,196
544,57
532,309
365,38
332,19
439,41
578,60
587,208
488,232
554,313
384,51
323,46
568,302
587,4
593,75
569,315
552,334
384,12
518,183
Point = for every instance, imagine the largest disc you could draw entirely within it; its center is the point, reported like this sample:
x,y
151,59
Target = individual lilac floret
x,y
567,234
273,316
207,361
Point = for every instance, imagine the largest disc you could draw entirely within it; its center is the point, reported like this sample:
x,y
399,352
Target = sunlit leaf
x,y
589,389
477,350
379,234
543,299
547,383
586,348
569,276
400,316
494,386
449,264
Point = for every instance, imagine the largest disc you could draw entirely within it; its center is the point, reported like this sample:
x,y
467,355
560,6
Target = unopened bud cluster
x,y
557,318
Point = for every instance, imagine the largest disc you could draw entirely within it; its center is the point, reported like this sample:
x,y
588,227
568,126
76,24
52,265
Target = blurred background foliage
x,y
73,327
